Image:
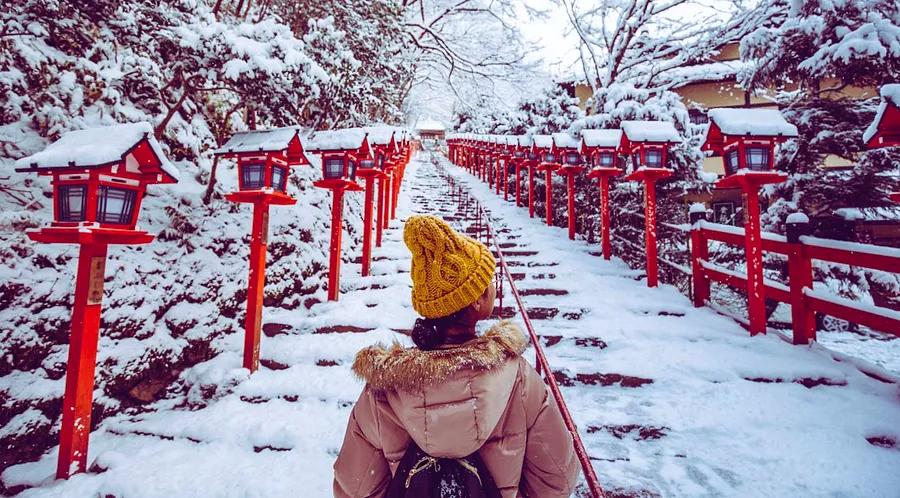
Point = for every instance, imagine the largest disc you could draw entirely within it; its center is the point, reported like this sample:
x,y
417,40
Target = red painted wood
x,y
82,358
570,191
367,224
531,190
548,194
700,281
334,252
518,183
256,283
379,221
605,243
855,315
756,299
650,232
803,318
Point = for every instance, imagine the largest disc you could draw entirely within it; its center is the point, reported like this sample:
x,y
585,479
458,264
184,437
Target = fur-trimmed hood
x,y
412,369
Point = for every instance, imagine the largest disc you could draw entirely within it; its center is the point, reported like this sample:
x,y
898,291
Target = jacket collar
x,y
412,369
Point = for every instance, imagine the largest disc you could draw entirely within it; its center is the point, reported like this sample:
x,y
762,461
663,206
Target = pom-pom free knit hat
x,y
449,270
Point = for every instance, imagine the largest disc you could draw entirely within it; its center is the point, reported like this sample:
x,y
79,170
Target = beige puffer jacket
x,y
478,396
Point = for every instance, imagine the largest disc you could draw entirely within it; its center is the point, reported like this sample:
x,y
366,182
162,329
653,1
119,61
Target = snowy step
x,y
599,379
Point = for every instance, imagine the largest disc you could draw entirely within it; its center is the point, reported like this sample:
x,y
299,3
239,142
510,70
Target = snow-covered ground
x,y
671,400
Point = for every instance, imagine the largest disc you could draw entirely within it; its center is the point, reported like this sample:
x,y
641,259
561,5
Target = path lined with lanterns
x,y
668,398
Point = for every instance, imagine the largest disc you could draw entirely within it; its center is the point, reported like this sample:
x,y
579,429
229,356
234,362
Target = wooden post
x,y
334,260
650,232
570,190
367,222
531,191
605,242
756,303
518,183
548,179
82,358
379,220
699,254
800,277
256,283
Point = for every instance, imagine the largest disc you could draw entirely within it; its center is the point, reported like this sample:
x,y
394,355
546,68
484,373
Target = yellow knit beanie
x,y
449,271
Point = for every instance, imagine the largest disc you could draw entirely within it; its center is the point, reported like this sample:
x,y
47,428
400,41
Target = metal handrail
x,y
542,364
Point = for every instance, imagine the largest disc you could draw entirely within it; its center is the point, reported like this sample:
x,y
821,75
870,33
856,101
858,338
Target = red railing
x,y
800,251
542,365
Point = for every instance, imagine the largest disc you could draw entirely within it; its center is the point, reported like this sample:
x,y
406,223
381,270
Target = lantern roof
x,y
650,131
890,109
272,140
524,140
542,141
753,122
511,140
565,141
383,135
601,138
347,139
105,146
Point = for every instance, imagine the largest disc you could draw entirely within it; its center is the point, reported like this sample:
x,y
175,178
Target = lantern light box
x,y
341,151
542,145
746,138
264,159
601,147
100,175
647,143
566,149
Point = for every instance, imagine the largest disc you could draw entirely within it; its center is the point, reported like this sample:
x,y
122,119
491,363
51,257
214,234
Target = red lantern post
x,y
647,144
520,151
264,159
567,151
746,138
543,145
383,142
885,128
601,147
99,177
341,151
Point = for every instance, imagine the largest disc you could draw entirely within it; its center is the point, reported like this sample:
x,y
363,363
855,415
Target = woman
x,y
455,393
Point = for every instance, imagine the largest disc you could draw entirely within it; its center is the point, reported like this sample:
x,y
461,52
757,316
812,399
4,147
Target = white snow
x,y
97,146
891,92
525,140
697,207
272,140
429,125
542,141
650,131
329,140
797,218
601,138
758,122
565,141
382,134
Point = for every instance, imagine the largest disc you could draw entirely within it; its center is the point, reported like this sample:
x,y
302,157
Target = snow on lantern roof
x,y
565,141
273,140
525,140
429,125
382,134
890,95
601,138
95,147
542,141
331,140
756,122
650,131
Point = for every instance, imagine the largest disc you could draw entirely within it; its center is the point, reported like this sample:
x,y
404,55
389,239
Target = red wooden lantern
x,y
601,150
99,178
542,145
568,153
382,140
341,151
885,128
746,138
646,146
264,159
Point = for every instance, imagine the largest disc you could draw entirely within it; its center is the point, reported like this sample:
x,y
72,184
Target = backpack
x,y
420,475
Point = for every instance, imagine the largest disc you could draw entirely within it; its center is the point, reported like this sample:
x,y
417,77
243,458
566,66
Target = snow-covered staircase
x,y
670,400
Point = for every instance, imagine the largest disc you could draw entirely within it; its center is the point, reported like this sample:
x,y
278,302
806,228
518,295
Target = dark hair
x,y
429,333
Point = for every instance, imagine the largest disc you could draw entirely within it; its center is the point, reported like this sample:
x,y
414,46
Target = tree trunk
x,y
217,7
211,184
161,127
239,8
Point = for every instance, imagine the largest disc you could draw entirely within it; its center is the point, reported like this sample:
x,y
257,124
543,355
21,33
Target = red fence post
x,y
367,222
606,244
699,254
82,358
505,182
800,277
388,195
548,194
570,191
531,190
756,302
518,165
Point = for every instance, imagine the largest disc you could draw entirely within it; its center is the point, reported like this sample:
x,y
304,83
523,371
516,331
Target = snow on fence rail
x,y
800,250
